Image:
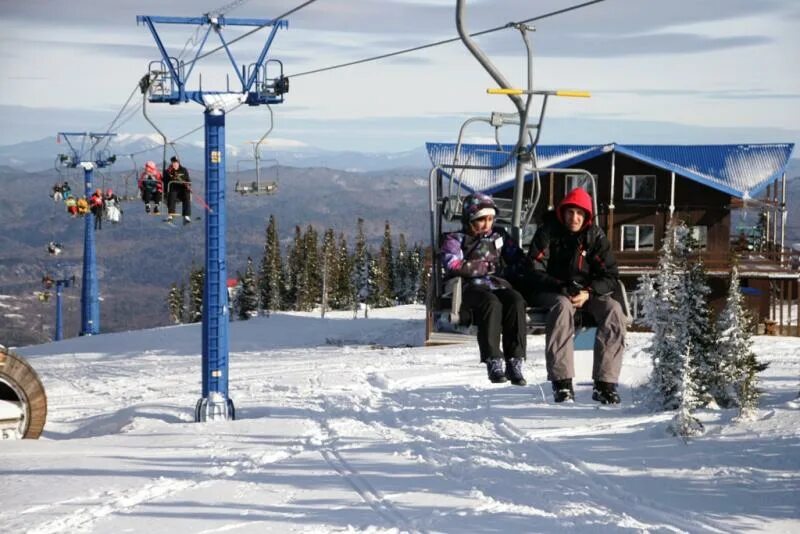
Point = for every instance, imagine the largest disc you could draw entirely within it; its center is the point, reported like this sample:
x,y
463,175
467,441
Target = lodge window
x,y
700,235
639,187
578,180
638,237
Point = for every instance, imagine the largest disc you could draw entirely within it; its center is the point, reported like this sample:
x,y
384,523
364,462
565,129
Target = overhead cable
x,y
446,41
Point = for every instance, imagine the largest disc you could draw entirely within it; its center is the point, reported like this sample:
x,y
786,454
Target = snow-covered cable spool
x,y
23,403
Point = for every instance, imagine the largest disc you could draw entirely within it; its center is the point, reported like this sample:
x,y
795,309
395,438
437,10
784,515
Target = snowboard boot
x,y
562,390
514,371
495,369
605,392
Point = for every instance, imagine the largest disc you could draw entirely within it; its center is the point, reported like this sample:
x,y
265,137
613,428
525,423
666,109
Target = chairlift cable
x,y
446,41
375,58
187,134
113,122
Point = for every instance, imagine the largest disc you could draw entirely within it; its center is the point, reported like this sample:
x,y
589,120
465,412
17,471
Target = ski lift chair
x,y
448,321
445,314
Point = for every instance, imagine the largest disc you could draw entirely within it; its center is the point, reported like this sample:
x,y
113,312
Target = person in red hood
x,y
574,268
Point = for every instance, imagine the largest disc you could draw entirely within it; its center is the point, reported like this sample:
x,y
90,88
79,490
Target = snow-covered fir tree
x,y
247,298
361,283
740,366
685,424
176,302
271,272
705,365
676,309
196,283
659,314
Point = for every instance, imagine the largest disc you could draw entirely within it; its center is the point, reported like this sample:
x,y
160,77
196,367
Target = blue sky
x,y
680,71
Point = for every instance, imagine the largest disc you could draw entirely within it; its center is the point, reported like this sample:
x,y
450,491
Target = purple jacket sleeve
x,y
453,260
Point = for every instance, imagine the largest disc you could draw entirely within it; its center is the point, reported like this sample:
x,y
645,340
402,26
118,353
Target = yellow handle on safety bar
x,y
574,94
500,91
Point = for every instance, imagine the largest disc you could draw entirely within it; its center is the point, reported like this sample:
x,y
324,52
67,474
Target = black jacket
x,y
563,261
179,178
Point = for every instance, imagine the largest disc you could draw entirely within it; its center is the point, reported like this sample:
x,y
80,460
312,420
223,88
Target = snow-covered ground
x,y
352,426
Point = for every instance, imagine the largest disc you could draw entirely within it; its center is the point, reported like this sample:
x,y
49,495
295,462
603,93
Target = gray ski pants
x,y
609,341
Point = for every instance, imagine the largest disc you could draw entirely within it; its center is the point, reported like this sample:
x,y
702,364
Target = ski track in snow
x,y
615,496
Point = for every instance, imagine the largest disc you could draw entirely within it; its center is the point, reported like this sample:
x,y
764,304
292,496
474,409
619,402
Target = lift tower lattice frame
x,y
166,83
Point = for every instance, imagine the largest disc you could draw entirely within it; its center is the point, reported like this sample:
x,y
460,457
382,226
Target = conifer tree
x,y
740,367
373,280
685,424
342,295
659,314
308,278
384,271
293,268
414,269
313,263
196,283
247,299
402,281
361,271
677,313
705,366
175,302
423,255
271,274
330,266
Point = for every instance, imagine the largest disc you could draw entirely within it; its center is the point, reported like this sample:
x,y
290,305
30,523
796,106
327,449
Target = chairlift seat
x,y
451,315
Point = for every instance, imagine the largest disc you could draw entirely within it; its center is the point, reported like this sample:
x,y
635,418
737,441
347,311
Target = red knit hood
x,y
578,197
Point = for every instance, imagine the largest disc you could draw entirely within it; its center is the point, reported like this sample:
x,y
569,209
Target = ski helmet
x,y
477,205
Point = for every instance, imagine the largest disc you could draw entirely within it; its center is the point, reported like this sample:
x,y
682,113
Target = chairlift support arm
x,y
215,23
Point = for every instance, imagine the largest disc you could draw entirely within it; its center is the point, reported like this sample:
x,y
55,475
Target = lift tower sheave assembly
x,y
88,158
167,79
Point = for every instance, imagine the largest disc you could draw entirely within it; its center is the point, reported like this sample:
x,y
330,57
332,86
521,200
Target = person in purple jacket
x,y
480,253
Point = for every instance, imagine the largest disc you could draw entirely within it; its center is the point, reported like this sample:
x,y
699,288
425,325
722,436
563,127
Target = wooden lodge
x,y
733,197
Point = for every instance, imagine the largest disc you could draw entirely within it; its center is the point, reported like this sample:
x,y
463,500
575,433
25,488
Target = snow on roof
x,y
742,170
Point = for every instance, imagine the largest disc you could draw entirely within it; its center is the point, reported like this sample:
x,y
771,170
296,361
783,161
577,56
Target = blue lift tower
x,y
88,158
166,83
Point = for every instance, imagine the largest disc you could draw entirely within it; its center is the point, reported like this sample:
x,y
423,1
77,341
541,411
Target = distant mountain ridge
x,y
40,155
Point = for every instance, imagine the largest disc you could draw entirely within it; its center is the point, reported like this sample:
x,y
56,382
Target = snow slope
x,y
350,426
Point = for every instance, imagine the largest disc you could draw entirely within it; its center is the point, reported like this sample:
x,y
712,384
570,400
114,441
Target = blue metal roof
x,y
742,171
